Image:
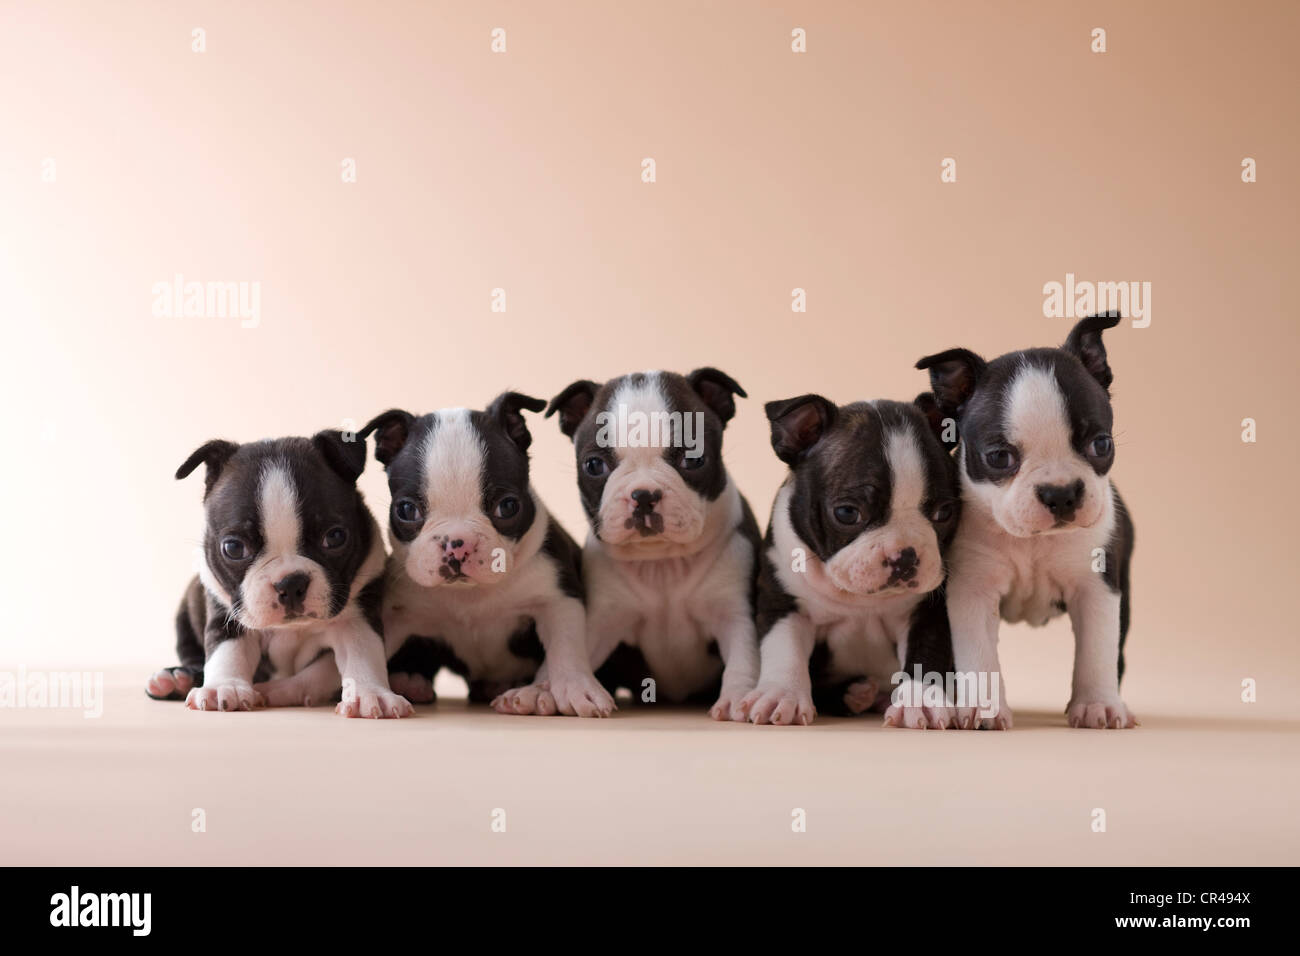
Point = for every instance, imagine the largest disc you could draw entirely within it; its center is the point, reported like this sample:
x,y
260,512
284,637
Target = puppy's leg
x,y
784,691
360,655
228,675
973,614
174,683
316,683
738,645
1094,700
927,649
565,683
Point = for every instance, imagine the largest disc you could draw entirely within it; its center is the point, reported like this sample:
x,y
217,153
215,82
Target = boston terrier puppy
x,y
670,561
482,580
290,574
853,563
1043,529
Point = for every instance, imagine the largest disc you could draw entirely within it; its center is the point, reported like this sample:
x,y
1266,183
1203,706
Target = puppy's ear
x,y
717,389
953,377
505,409
798,424
1084,343
391,429
347,458
214,455
573,404
943,426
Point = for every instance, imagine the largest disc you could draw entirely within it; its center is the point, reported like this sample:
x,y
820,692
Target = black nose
x,y
646,499
903,566
1061,500
292,589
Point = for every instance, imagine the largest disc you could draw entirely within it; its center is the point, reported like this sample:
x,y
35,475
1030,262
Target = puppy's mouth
x,y
646,523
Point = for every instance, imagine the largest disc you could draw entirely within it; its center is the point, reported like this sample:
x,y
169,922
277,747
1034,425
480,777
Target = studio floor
x,y
652,785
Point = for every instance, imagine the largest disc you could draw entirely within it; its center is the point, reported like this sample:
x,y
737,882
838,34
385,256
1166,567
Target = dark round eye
x,y
1001,459
234,549
335,537
507,507
690,464
847,514
407,510
595,466
1101,446
942,512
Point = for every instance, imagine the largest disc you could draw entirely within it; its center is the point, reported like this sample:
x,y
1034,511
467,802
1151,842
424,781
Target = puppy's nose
x,y
903,565
457,549
292,589
1061,500
646,499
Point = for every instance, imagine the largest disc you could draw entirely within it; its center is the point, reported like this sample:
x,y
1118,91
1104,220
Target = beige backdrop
x,y
521,171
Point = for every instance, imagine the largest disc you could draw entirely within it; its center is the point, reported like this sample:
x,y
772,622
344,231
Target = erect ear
x,y
953,377
1084,343
214,455
798,424
347,458
573,404
943,426
504,410
391,429
717,389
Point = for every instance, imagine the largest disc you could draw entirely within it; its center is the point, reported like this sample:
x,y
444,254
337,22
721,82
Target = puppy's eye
x,y
595,466
690,464
407,510
942,512
847,514
335,538
1101,446
507,507
1001,459
234,549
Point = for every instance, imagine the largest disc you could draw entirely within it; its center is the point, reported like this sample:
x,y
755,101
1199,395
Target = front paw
x,y
778,704
374,702
988,718
224,695
730,705
921,717
580,695
1104,713
527,700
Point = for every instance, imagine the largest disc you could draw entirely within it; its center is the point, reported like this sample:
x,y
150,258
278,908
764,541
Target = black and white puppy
x,y
290,574
850,591
482,580
1043,529
671,556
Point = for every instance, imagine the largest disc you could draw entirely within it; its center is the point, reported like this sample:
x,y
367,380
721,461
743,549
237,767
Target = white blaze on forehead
x,y
1035,414
634,405
907,469
453,465
277,509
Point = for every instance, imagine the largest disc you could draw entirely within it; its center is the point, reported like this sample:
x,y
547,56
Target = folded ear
x,y
573,404
391,429
717,389
347,458
798,424
953,377
943,426
214,455
1084,343
505,411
